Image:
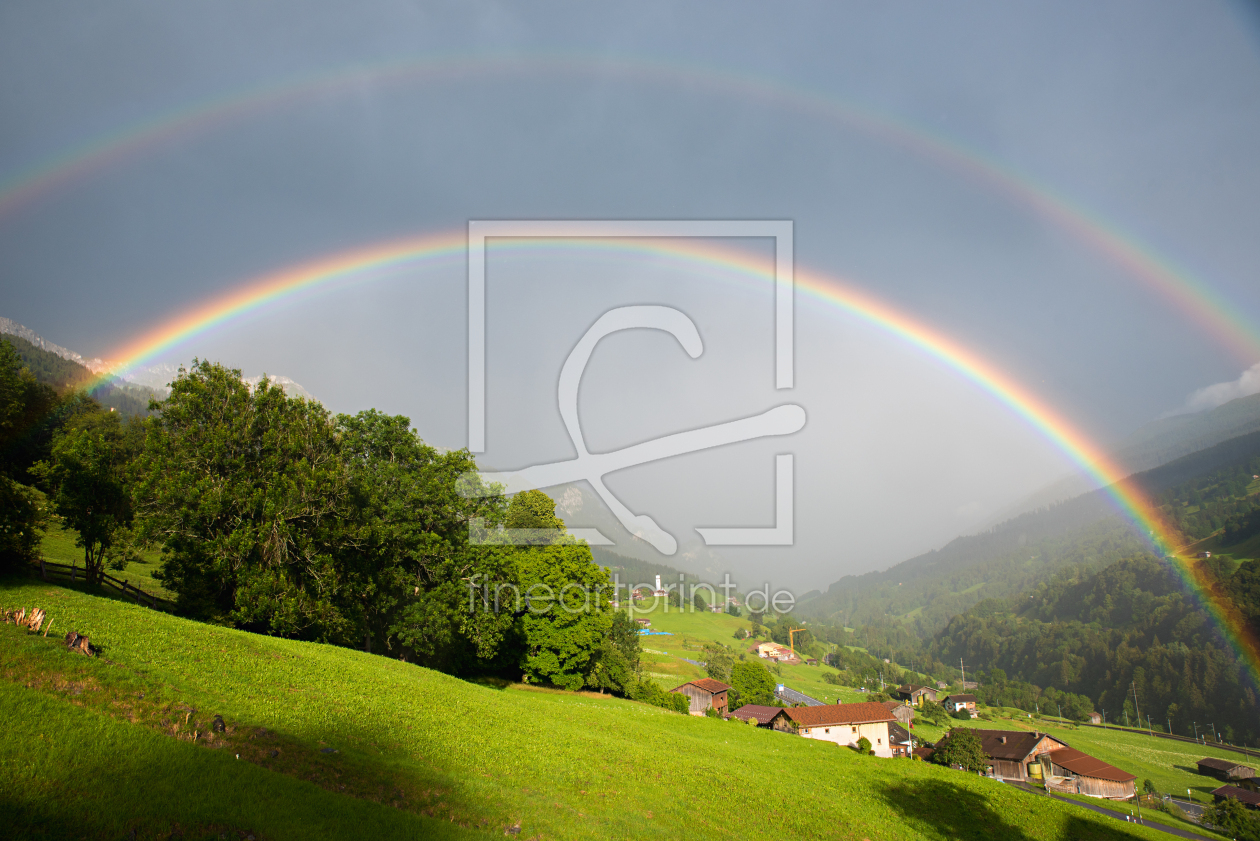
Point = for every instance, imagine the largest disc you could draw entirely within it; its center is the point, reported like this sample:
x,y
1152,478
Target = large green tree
x,y
245,491
86,476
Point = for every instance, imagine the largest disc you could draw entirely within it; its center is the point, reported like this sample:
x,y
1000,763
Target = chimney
x,y
1002,739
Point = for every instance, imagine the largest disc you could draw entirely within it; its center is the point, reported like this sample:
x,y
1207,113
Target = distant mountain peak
x,y
156,377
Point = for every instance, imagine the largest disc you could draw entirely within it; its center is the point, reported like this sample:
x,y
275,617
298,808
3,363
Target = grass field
x,y
92,747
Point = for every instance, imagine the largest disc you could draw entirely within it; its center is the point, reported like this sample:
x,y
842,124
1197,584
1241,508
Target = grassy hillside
x,y
555,764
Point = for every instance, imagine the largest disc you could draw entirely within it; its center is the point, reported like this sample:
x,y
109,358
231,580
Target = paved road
x,y
1171,830
791,696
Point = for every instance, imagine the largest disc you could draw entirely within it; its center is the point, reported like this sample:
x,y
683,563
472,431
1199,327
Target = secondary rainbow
x,y
364,264
1184,293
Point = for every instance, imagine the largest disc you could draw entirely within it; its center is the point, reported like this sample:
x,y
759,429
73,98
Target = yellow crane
x,y
792,632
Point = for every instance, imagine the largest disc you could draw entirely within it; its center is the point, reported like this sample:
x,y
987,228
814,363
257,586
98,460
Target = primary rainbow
x,y
363,264
1183,292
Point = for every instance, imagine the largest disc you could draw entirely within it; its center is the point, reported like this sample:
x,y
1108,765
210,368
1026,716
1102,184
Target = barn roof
x,y
867,712
761,714
1250,798
1084,765
708,684
1012,745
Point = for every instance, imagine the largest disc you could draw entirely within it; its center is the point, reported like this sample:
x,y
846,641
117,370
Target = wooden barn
x,y
704,693
1225,770
915,694
904,713
1015,755
1072,772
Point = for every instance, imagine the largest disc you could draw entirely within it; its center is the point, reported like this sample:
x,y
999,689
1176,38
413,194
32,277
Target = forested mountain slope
x,y
1132,627
67,375
1200,493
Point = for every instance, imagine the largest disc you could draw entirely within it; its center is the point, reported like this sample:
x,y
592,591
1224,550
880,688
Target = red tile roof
x,y
828,714
1087,766
708,684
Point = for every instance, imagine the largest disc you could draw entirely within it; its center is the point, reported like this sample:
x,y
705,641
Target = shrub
x,y
961,715
650,693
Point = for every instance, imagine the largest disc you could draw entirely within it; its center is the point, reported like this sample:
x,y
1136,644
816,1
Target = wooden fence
x,y
66,572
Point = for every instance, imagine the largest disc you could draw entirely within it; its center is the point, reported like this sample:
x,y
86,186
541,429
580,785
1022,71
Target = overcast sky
x,y
1144,116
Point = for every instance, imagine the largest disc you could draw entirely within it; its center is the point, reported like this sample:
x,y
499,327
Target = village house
x,y
771,650
1250,799
705,693
1225,770
1095,718
1015,755
954,703
915,695
762,716
845,724
903,712
1069,771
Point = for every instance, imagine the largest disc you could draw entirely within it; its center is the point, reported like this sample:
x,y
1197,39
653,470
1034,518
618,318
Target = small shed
x,y
705,693
1225,770
762,716
1095,718
1070,770
1250,799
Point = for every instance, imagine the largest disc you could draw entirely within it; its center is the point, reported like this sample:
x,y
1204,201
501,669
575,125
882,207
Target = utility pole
x,y
1104,719
1170,732
963,669
1196,731
1136,708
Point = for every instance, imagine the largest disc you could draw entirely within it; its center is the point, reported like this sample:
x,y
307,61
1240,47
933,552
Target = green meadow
x,y
338,743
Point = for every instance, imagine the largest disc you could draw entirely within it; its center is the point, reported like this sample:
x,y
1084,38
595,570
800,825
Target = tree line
x,y
276,516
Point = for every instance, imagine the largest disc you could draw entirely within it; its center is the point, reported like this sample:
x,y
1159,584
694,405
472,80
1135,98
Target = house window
x,y
854,729
879,741
826,729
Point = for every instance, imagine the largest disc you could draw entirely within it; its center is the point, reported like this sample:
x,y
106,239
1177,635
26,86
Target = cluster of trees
x,y
275,516
749,679
1129,627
